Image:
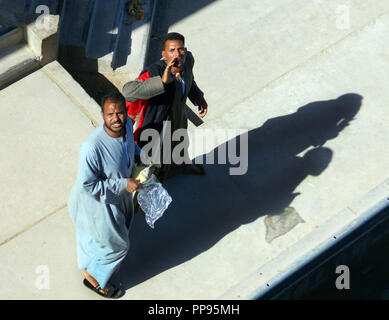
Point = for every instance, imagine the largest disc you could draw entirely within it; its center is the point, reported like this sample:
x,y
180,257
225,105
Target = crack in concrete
x,y
32,225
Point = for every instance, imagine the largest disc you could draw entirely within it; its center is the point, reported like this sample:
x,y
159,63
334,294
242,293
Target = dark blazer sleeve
x,y
195,92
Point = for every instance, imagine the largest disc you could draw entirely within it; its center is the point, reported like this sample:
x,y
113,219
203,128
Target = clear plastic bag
x,y
153,200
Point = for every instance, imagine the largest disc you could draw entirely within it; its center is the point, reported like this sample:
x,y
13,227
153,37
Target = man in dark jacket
x,y
159,94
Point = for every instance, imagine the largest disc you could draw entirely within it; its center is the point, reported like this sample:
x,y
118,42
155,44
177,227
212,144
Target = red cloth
x,y
138,106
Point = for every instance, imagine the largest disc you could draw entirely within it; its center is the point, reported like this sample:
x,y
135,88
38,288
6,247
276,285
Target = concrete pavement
x,y
274,70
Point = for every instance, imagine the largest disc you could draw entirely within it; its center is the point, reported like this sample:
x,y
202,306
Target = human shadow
x,y
207,208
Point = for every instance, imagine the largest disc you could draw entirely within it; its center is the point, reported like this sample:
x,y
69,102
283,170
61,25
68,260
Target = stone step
x,y
27,48
16,62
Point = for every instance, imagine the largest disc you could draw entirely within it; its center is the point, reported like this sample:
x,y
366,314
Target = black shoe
x,y
113,292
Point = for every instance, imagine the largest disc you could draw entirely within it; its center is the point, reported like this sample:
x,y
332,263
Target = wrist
x,y
167,83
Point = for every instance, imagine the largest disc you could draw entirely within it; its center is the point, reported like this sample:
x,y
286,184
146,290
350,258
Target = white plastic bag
x,y
153,200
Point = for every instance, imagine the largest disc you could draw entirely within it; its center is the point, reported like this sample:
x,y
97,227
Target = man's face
x,y
174,49
114,117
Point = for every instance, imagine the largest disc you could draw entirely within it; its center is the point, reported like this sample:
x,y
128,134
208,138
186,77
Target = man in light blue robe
x,y
101,203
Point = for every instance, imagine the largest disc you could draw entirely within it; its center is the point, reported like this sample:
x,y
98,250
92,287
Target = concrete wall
x,y
96,28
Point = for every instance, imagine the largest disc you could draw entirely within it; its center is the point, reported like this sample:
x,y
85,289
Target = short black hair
x,y
173,36
113,96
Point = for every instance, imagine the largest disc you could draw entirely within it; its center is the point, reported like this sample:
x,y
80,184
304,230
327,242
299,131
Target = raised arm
x,y
144,90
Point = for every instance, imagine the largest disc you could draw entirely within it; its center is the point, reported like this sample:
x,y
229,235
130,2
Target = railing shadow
x,y
101,26
87,75
207,208
91,24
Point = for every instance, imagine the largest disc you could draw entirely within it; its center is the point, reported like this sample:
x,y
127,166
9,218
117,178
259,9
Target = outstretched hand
x,y
203,107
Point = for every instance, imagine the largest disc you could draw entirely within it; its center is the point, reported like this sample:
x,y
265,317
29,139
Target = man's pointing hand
x,y
168,76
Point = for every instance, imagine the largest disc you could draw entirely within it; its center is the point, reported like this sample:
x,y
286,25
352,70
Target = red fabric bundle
x,y
138,108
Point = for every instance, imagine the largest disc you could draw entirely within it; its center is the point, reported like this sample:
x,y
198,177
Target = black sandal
x,y
113,292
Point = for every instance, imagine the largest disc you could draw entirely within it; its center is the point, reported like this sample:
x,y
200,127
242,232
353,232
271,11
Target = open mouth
x,y
117,125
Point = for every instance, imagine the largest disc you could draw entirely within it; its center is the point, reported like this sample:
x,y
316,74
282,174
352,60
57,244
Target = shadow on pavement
x,y
85,71
167,13
207,208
